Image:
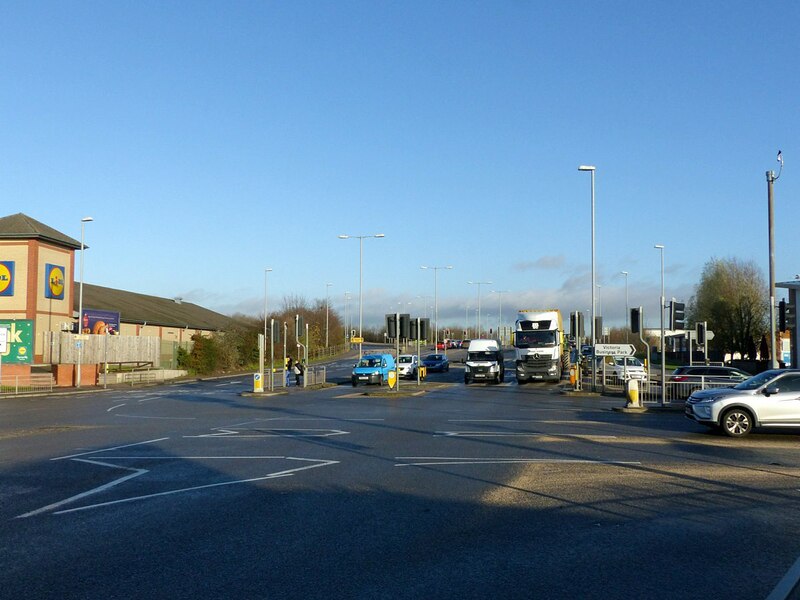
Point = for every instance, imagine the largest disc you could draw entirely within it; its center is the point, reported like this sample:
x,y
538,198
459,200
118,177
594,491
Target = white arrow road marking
x,y
109,449
50,507
294,433
137,472
444,460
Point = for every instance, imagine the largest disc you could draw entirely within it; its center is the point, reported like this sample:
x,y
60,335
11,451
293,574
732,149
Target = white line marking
x,y
49,507
296,433
113,407
286,473
109,449
431,461
516,434
163,418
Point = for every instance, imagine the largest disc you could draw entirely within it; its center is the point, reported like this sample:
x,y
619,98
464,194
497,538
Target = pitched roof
x,y
140,308
21,226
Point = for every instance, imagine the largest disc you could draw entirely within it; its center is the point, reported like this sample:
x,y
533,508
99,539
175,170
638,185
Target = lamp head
x,y
380,235
343,237
586,168
86,219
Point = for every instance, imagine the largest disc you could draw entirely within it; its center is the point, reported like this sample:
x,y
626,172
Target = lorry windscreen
x,y
535,339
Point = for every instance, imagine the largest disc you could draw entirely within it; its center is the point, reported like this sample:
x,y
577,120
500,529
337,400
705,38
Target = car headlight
x,y
702,411
466,368
494,368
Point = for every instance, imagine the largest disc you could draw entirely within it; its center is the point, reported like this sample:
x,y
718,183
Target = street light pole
x,y
360,239
327,303
771,178
661,310
591,169
479,284
436,301
500,317
84,220
627,310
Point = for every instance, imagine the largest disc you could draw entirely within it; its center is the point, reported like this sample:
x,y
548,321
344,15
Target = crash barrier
x,y
26,384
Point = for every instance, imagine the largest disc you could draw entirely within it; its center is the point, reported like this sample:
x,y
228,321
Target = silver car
x,y
407,365
770,399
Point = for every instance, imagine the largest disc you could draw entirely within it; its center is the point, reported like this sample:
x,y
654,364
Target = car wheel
x,y
354,382
447,368
737,422
380,380
466,380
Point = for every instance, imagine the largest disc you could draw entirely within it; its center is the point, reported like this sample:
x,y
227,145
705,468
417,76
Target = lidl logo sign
x,y
7,278
54,282
19,341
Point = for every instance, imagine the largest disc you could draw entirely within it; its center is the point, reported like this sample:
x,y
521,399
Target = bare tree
x,y
731,297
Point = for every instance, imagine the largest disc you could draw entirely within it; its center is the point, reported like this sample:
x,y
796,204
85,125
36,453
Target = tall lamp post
x,y
267,271
500,317
479,284
360,239
661,310
436,301
84,220
771,178
591,169
627,310
327,304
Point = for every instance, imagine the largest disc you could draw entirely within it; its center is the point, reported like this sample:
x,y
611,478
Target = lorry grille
x,y
539,363
480,369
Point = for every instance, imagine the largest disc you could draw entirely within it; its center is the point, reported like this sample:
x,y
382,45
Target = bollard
x,y
632,393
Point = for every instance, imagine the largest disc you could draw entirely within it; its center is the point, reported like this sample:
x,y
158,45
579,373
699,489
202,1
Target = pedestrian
x,y
298,371
288,370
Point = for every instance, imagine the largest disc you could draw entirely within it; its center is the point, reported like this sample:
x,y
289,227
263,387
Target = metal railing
x,y
675,392
26,384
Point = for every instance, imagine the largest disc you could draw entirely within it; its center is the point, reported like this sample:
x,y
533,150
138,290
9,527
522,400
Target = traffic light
x,y
791,316
636,320
782,315
391,326
424,328
576,324
677,316
275,328
700,333
404,326
299,327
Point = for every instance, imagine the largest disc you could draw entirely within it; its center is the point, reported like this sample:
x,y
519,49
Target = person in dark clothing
x,y
298,372
289,370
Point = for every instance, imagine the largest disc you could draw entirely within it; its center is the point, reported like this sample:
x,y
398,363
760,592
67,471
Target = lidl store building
x,y
39,301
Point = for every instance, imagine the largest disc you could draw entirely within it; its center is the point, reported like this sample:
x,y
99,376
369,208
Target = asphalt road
x,y
194,490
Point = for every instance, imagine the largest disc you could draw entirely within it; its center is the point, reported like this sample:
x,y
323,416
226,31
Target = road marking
x,y
113,407
165,418
552,422
444,460
520,434
109,449
285,473
50,507
292,433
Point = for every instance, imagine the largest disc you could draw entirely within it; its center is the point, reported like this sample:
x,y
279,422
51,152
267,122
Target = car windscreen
x,y
434,357
406,360
528,339
757,381
484,355
369,362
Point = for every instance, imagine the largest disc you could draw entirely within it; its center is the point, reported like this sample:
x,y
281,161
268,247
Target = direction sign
x,y
614,349
357,340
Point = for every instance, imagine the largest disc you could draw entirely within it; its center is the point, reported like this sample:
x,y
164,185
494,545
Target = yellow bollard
x,y
633,392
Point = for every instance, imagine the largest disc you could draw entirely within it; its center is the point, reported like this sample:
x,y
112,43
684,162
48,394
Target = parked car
x,y
770,399
407,365
372,368
440,345
690,378
436,362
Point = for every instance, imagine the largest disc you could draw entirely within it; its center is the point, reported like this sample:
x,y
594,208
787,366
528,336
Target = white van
x,y
484,362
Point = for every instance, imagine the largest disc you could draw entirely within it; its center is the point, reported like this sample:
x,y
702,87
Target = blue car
x,y
436,362
373,368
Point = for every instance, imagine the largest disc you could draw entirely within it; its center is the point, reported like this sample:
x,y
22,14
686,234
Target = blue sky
x,y
210,140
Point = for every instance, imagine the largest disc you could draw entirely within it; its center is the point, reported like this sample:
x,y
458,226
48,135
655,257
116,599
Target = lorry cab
x,y
373,368
484,362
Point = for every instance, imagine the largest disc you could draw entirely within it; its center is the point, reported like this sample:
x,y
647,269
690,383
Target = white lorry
x,y
540,346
